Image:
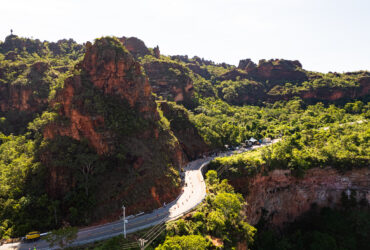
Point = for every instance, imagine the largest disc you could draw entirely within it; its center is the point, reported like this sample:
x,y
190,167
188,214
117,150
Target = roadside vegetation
x,y
218,221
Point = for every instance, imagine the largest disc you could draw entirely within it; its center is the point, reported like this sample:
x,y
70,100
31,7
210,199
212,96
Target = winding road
x,y
193,193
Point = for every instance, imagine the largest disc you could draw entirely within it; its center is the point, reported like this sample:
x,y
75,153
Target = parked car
x,y
33,236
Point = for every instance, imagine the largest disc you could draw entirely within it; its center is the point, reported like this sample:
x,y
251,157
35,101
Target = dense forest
x,y
66,136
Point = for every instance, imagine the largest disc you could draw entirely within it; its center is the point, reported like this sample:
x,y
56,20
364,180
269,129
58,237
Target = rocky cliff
x,y
233,75
136,46
112,72
24,92
171,81
279,197
274,70
29,94
326,93
284,79
188,135
29,74
108,103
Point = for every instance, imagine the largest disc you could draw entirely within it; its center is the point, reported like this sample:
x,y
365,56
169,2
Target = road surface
x,y
193,193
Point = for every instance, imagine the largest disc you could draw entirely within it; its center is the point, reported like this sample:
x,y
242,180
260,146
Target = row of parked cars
x,y
249,143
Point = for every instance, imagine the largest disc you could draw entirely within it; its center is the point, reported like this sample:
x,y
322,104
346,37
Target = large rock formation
x,y
109,104
136,46
185,131
280,198
115,73
171,81
275,70
247,65
326,94
233,75
26,87
310,86
29,94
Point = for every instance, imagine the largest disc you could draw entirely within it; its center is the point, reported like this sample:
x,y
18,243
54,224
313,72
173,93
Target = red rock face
x,y
119,74
116,74
364,86
18,99
22,97
277,70
273,70
334,94
112,72
81,125
285,197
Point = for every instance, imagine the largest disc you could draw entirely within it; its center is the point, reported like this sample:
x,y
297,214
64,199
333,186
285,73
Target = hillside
x,y
96,129
87,128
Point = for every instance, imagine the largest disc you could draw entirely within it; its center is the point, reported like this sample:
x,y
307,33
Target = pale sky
x,y
324,35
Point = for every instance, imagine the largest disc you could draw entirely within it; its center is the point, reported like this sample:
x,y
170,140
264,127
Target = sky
x,y
324,35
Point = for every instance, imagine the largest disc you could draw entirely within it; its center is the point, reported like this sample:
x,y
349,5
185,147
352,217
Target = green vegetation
x,y
236,92
220,123
108,43
32,70
219,216
217,70
62,237
330,80
24,205
341,146
191,242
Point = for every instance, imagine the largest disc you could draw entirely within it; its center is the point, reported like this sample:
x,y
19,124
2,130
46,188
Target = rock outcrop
x,y
115,73
280,198
275,70
157,52
247,65
29,95
171,81
136,46
233,75
110,105
327,94
188,135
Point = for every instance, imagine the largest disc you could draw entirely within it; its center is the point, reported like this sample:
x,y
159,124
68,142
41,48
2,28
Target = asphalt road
x,y
193,193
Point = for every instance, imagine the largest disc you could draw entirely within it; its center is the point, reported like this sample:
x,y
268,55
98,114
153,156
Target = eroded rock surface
x,y
109,103
136,46
281,197
170,80
274,70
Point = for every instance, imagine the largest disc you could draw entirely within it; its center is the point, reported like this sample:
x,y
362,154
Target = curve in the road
x,y
194,192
